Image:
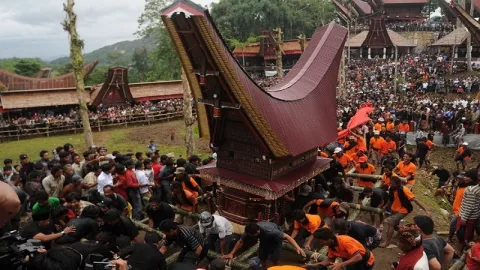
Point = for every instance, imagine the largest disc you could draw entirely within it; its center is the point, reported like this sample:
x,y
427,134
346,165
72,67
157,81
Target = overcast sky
x,y
31,28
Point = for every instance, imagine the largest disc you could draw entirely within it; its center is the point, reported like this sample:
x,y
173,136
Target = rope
x,y
315,255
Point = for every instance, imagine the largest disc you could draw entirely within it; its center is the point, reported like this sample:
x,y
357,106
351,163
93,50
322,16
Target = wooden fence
x,y
38,130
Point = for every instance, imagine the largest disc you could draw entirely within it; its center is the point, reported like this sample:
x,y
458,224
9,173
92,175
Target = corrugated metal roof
x,y
397,40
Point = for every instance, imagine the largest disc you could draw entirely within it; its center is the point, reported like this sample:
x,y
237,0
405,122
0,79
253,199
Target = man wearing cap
x,y
463,155
375,146
363,167
345,160
360,153
310,223
216,227
188,183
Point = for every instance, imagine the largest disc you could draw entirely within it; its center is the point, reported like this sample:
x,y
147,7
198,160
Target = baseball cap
x,y
179,170
337,150
465,143
363,159
23,156
106,203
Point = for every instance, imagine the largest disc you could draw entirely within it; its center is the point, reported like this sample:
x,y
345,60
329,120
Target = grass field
x,y
125,140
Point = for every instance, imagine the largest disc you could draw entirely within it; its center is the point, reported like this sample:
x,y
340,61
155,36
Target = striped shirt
x,y
188,237
470,202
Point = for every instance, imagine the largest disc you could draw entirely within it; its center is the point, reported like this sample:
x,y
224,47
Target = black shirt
x,y
118,202
333,171
443,176
164,212
378,195
91,247
269,233
187,238
124,227
144,257
422,149
32,229
360,232
85,228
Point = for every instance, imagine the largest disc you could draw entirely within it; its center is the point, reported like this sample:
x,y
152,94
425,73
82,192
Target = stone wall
x,y
421,38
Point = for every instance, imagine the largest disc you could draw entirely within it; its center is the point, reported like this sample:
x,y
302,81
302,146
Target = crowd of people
x,y
108,114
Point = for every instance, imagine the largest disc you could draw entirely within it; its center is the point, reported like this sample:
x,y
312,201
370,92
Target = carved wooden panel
x,y
283,167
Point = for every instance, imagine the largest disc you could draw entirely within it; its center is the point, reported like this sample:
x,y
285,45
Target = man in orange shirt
x,y
403,127
188,183
329,208
387,176
386,145
375,146
185,201
390,126
343,159
400,198
360,153
377,126
351,146
310,223
365,168
463,183
321,153
430,146
407,169
353,254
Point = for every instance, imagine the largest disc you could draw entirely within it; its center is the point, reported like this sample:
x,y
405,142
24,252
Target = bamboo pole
x,y
172,259
232,263
365,208
459,264
146,228
248,253
369,176
312,255
185,213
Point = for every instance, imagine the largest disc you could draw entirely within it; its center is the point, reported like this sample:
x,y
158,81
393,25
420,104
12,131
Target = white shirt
x,y
142,180
422,264
220,226
149,174
104,180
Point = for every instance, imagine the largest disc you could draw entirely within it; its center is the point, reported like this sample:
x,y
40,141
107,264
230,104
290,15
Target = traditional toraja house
x,y
266,140
456,40
378,43
403,10
260,58
28,94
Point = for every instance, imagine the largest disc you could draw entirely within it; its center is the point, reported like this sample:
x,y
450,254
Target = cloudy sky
x,y
31,28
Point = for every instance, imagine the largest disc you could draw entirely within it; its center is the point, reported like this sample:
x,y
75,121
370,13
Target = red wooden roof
x,y
296,116
17,82
363,6
269,189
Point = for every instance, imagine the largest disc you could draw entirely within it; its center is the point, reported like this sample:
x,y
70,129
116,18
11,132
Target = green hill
x,y
118,54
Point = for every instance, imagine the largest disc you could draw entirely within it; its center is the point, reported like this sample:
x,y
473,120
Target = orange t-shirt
x,y
194,184
403,128
326,211
387,145
376,143
386,179
370,169
314,222
191,198
397,205
390,126
361,142
356,157
352,151
378,127
406,170
458,200
344,160
346,248
430,144
323,154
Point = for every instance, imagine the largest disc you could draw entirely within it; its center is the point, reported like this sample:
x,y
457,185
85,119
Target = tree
x,y
140,62
76,58
97,76
278,40
164,59
188,116
27,67
242,19
115,58
150,21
